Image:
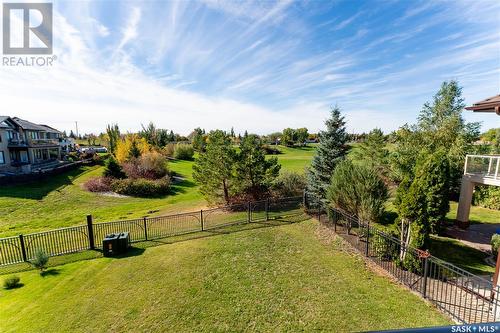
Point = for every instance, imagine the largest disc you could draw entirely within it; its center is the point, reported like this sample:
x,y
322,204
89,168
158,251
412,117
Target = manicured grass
x,y
463,256
269,279
61,201
297,158
477,214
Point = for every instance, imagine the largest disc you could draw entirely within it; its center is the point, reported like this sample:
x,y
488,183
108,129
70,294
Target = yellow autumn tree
x,y
131,146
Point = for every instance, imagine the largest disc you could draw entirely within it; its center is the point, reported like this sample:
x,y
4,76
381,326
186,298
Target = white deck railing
x,y
487,166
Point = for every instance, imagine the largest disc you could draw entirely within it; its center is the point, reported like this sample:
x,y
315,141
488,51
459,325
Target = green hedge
x,y
142,187
487,196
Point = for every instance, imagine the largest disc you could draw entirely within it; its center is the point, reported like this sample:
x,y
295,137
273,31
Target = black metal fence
x,y
56,242
467,298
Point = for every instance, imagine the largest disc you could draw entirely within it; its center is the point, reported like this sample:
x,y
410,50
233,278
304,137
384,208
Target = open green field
x,y
281,278
296,159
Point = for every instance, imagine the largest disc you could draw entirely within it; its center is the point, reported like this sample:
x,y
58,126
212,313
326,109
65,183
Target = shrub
x,y
142,187
359,190
41,260
184,152
487,196
98,184
169,149
270,150
149,166
113,169
289,183
495,243
11,282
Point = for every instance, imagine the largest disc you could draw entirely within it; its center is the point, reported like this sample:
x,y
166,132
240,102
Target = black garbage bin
x,y
123,242
110,245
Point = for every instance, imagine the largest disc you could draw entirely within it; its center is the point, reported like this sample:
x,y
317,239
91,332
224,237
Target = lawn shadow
x,y
17,286
224,230
50,272
138,248
388,218
180,187
40,188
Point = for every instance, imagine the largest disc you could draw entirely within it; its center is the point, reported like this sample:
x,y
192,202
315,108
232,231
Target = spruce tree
x,y
331,150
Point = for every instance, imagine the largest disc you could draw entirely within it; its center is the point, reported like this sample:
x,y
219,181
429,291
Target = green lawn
x,y
463,256
477,214
269,279
61,201
297,158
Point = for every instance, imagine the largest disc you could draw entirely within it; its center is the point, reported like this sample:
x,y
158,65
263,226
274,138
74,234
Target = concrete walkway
x,y
477,236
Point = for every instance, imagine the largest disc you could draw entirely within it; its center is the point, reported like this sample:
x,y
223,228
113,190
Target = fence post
x,y
367,249
335,221
201,220
145,228
23,248
267,209
249,218
426,272
319,210
90,229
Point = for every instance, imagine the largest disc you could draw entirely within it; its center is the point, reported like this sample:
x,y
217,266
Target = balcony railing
x,y
33,142
487,166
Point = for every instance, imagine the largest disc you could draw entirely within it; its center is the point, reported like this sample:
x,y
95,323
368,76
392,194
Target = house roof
x,y
4,122
491,104
50,129
27,125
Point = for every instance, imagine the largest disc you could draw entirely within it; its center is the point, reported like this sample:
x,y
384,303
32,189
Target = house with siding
x,y
26,146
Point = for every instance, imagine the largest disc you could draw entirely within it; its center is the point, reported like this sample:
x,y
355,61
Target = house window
x,y
2,158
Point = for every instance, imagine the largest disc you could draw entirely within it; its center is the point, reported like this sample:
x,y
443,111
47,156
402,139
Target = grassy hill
x,y
280,278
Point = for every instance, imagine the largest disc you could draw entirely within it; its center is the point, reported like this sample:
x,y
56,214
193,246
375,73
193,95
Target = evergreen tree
x,y
423,202
134,150
359,190
331,150
254,172
373,152
113,169
213,169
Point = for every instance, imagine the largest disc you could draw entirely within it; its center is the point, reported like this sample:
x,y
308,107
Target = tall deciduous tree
x,y
301,135
214,168
113,133
255,174
288,138
331,150
440,126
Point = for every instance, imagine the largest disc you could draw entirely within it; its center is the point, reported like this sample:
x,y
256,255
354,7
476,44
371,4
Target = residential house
x,y
26,146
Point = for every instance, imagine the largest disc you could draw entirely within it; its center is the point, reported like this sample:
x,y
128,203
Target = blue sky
x,y
260,66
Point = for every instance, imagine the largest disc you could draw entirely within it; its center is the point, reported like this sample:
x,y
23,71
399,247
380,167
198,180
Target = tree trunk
x,y
226,192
